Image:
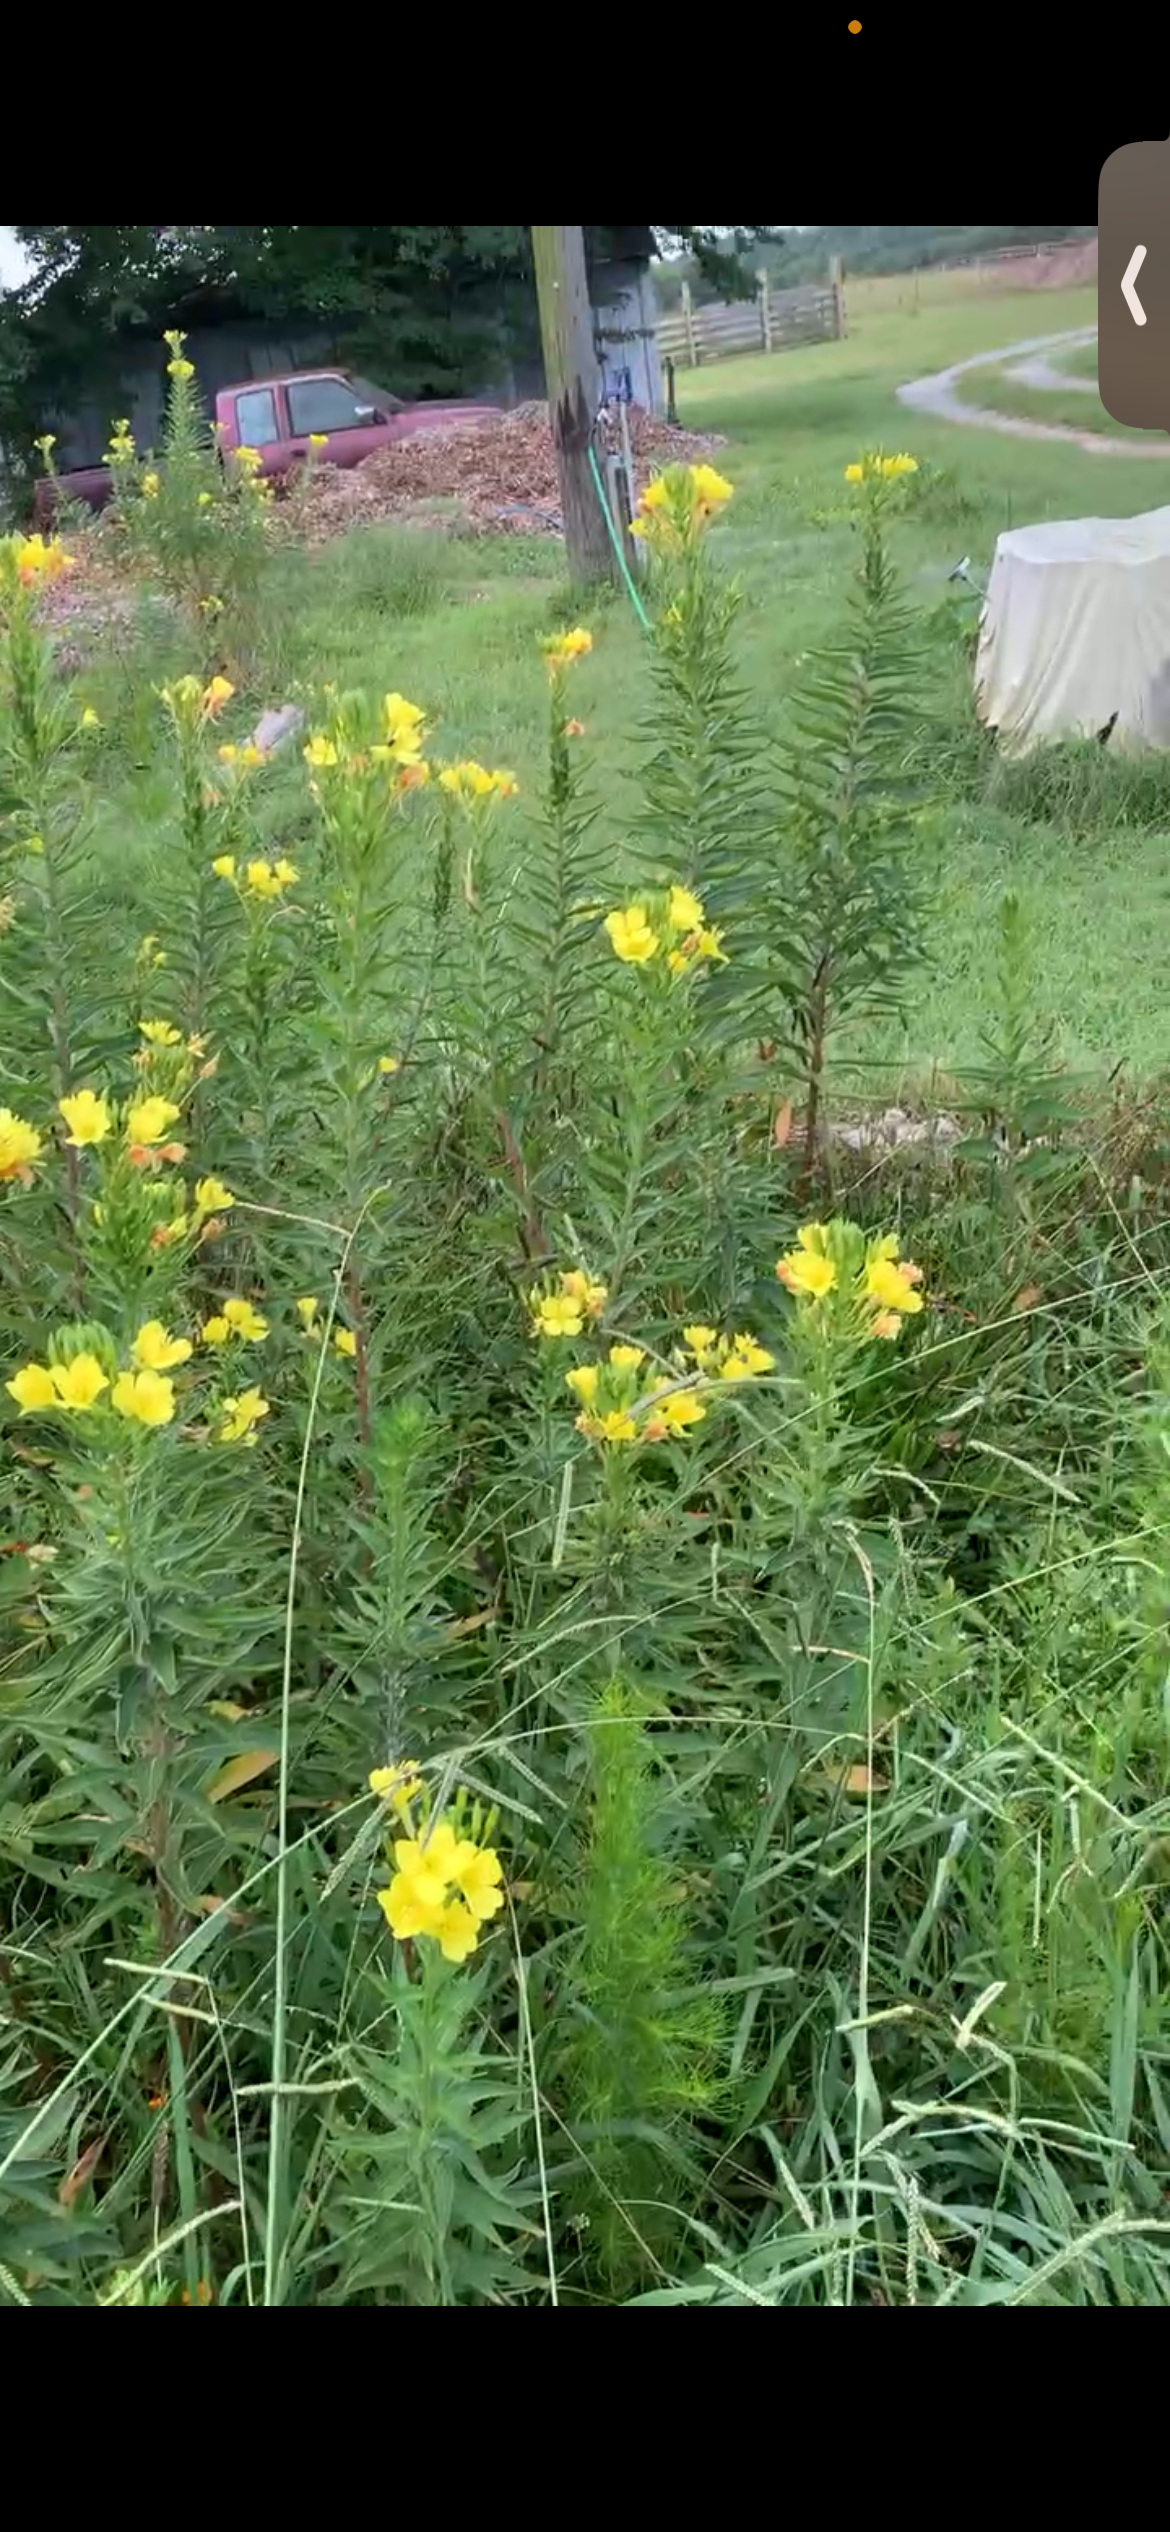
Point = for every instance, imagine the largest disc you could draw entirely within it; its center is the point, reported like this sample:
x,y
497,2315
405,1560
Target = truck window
x,y
256,418
324,404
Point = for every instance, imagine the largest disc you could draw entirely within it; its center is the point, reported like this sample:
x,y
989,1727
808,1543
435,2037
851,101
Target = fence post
x,y
765,308
671,404
838,286
688,317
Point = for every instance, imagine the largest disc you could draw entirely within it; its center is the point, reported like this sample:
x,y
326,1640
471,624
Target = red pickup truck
x,y
279,416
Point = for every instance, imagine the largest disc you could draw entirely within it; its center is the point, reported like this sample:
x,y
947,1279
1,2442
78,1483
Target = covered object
x,y
1075,634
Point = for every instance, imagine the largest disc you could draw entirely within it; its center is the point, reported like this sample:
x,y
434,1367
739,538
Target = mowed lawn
x,y
455,624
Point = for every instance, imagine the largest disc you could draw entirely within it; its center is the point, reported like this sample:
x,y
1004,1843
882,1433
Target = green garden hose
x,y
616,542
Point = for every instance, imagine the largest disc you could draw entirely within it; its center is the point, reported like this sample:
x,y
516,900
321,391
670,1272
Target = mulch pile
x,y
480,477
474,478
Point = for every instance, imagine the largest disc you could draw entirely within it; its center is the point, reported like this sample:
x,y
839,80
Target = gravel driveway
x,y
938,397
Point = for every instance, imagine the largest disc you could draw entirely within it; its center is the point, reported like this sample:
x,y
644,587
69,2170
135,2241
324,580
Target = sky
x,y
13,261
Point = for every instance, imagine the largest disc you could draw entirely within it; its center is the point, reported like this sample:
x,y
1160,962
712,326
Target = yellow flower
x,y
19,1145
89,718
270,879
241,1415
701,1342
307,1308
224,866
245,1322
245,757
159,1033
581,1287
248,459
87,1117
150,486
455,1931
204,504
854,474
318,439
468,781
147,1121
262,880
583,1382
807,1270
745,1360
617,1426
180,369
709,945
79,1384
476,1874
627,1357
155,1350
46,444
144,1396
405,723
345,1342
505,784
399,1785
680,1410
216,1331
631,936
320,751
33,1388
710,489
892,1286
219,692
555,1314
211,1196
389,1064
40,558
564,647
685,912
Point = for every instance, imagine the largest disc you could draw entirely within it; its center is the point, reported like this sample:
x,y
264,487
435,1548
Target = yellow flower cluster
x,y
260,879
121,451
673,927
676,507
177,367
470,782
562,1307
241,760
20,1146
617,1407
35,559
446,1886
563,648
75,1384
873,1290
400,749
234,1319
190,703
145,1122
726,1357
874,468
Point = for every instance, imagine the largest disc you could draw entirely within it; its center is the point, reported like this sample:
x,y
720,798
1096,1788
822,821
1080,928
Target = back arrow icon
x,y
1129,294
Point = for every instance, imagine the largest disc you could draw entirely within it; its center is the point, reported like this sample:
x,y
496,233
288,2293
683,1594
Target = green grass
x,y
1000,393
456,624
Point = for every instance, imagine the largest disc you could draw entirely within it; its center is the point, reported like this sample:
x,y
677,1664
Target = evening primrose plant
x,y
194,519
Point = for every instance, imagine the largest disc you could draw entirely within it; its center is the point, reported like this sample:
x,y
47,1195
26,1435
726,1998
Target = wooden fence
x,y
771,322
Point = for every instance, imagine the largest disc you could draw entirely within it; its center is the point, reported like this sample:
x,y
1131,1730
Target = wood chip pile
x,y
483,477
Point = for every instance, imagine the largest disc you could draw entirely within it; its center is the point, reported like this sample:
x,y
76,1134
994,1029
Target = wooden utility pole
x,y
574,393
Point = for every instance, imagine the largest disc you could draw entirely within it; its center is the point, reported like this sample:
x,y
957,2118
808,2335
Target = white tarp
x,y
1075,630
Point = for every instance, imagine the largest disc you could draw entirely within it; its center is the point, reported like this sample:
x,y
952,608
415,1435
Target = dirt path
x,y
938,397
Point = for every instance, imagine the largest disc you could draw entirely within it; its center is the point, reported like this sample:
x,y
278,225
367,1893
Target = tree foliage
x,y
425,310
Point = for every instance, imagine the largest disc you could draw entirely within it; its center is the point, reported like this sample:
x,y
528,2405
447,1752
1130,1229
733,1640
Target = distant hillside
x,y
804,254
